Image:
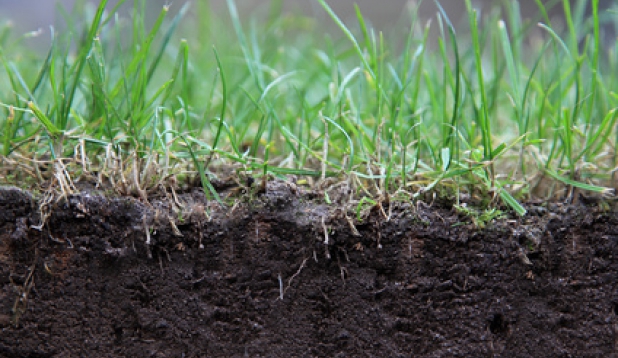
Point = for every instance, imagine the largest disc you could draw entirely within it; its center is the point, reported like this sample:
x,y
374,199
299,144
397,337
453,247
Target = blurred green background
x,y
32,15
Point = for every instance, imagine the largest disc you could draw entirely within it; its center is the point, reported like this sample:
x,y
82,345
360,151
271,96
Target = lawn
x,y
513,109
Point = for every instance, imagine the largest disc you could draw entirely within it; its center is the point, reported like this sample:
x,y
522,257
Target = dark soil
x,y
259,280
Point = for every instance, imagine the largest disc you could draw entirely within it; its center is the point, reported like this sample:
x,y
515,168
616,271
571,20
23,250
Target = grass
x,y
513,110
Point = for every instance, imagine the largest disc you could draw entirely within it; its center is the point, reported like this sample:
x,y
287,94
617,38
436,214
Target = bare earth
x,y
263,279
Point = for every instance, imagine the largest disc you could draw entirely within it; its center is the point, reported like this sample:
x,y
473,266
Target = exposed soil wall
x,y
259,280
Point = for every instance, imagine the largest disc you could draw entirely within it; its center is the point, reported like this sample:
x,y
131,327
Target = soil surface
x,y
283,274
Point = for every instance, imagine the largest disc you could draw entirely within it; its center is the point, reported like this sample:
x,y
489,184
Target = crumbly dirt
x,y
185,277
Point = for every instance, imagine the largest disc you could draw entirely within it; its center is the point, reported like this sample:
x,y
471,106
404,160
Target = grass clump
x,y
511,110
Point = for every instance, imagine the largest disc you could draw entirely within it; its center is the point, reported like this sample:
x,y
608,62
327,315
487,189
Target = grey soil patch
x,y
259,280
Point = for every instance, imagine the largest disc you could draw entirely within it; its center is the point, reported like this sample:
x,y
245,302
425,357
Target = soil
x,y
283,274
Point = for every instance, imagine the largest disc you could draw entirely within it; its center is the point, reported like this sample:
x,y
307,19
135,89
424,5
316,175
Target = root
x,y
302,266
352,226
342,270
326,239
282,290
280,287
148,238
44,209
21,302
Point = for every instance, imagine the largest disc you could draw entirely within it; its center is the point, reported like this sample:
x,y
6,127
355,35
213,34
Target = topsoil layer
x,y
282,275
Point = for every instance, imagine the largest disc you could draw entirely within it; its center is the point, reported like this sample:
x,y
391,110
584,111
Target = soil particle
x,y
283,275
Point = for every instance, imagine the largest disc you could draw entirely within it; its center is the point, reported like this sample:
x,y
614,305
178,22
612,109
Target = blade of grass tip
x,y
186,86
541,8
58,77
112,13
568,120
98,78
166,39
577,105
517,30
566,5
557,38
365,33
205,117
121,89
256,50
136,66
204,17
138,23
497,66
275,12
140,58
243,42
512,69
181,58
274,83
5,33
408,64
350,37
485,123
526,111
223,106
166,87
378,61
524,95
382,98
418,59
415,95
457,89
594,64
44,71
344,84
81,62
